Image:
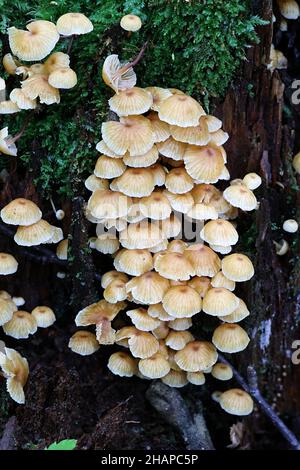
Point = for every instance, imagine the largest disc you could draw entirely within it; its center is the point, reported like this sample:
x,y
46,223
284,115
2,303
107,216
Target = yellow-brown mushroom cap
x,y
74,23
230,338
34,44
236,402
21,211
84,343
131,23
196,356
8,264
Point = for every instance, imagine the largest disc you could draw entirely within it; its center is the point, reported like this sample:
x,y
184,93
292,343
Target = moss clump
x,y
196,46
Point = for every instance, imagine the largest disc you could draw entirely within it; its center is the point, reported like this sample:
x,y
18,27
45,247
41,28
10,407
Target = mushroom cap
x,y
177,246
73,23
111,276
180,110
5,146
196,378
238,314
108,204
171,148
205,193
57,235
238,195
122,364
142,161
220,280
230,338
35,234
142,320
149,288
105,150
224,250
289,9
219,137
196,135
204,164
156,206
21,211
130,102
8,264
180,324
196,356
84,343
141,235
170,227
132,133
290,226
236,402
177,340
155,367
142,344
44,316
135,182
182,302
55,61
159,174
16,370
62,249
158,96
161,332
9,107
201,284
175,379
222,371
204,260
37,86
107,243
174,266
178,181
219,302
7,309
252,181
201,211
9,64
160,129
63,77
34,44
157,311
116,76
131,23
212,122
92,183
180,202
237,267
21,325
219,232
133,262
97,312
18,96
296,162
5,295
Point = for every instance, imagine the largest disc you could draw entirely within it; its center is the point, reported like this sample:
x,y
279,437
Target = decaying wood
x,y
172,407
7,441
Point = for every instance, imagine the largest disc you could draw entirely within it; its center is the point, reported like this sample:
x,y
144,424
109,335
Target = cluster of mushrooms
x,y
289,10
41,82
160,159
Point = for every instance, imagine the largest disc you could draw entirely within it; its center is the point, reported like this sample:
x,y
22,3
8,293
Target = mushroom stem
x,y
12,140
70,44
252,388
52,205
139,56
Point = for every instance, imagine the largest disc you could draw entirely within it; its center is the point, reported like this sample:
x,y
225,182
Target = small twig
x,y
39,253
252,388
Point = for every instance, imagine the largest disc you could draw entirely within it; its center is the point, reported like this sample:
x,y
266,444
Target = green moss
x,y
195,46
